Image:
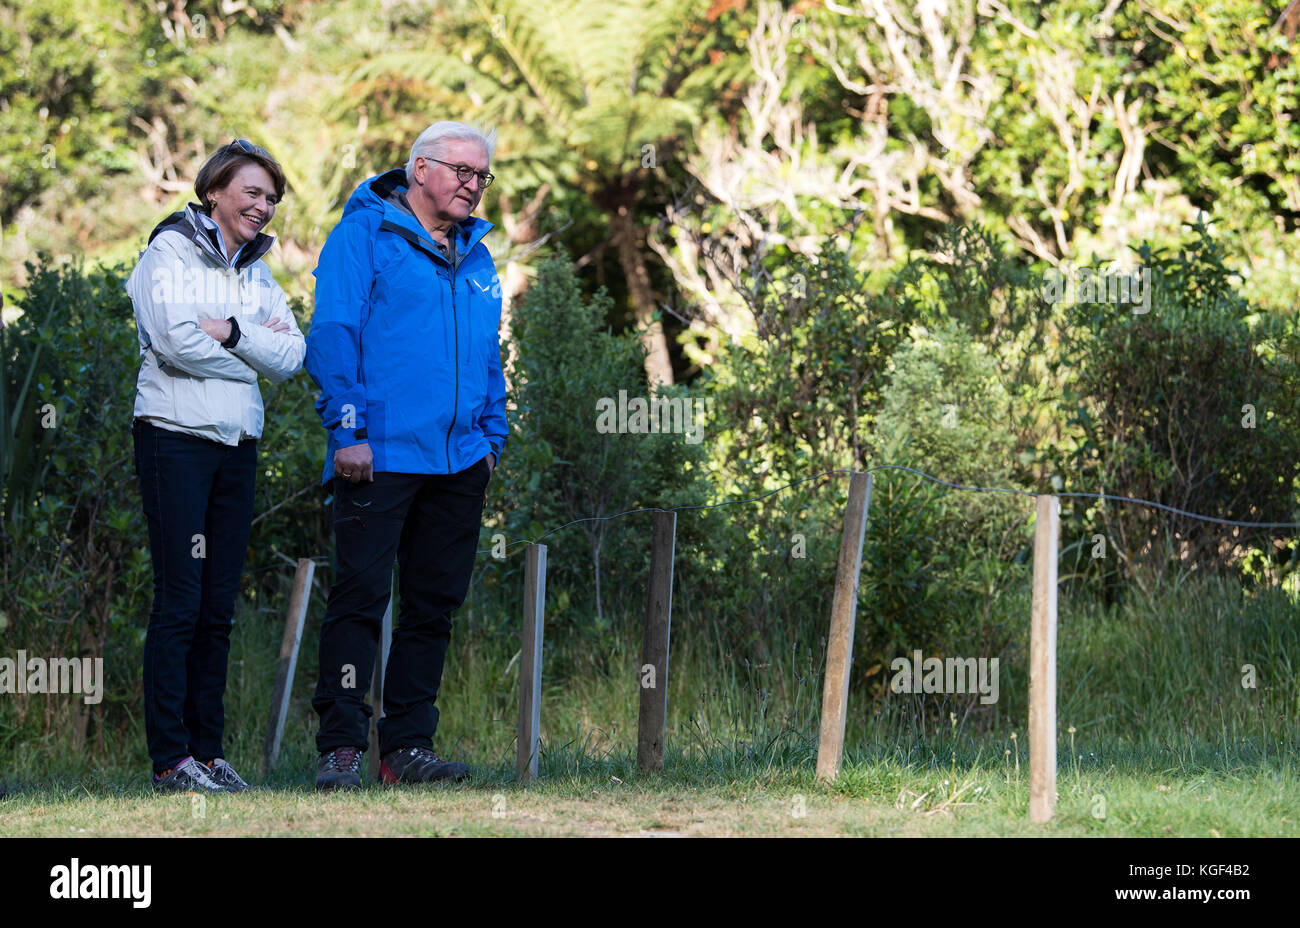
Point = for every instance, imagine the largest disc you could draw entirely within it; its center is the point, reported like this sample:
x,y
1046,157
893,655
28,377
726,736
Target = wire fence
x,y
652,714
1105,497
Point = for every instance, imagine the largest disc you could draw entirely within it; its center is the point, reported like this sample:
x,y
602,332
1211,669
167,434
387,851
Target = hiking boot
x,y
339,769
223,773
189,776
418,765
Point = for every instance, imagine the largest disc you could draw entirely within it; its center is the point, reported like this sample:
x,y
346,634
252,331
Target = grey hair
x,y
432,142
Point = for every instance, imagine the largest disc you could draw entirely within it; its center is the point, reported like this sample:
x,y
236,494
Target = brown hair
x,y
220,169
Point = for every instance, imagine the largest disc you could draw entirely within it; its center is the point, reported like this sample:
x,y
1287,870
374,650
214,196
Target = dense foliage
x,y
838,221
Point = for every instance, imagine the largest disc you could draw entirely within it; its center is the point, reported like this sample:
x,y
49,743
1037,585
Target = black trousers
x,y
198,502
430,523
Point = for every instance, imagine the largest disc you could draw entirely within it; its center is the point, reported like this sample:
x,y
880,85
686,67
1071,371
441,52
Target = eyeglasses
x,y
248,147
464,172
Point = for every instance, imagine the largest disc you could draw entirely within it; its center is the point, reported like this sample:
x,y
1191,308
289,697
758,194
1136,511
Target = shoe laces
x,y
343,759
197,772
223,769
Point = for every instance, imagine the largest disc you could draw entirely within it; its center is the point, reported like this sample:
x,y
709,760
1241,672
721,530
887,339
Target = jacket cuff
x,y
233,340
346,438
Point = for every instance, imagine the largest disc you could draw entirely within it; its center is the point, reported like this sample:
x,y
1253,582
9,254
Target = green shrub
x,y
800,394
74,555
559,466
1161,404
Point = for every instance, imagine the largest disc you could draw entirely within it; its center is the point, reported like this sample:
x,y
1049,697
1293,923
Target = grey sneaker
x,y
189,776
339,769
418,765
223,773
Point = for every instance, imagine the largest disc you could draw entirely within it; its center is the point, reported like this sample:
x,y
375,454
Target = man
x,y
404,348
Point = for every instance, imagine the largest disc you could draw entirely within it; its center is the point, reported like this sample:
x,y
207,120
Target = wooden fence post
x,y
530,663
377,683
293,625
1042,662
653,673
839,646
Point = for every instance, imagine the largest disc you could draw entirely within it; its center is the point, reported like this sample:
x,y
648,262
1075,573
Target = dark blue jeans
x,y
430,524
198,501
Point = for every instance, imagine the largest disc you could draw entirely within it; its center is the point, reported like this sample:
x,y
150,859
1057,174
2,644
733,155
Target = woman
x,y
210,318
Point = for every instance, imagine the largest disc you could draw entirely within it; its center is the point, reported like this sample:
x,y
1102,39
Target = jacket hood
x,y
187,223
385,192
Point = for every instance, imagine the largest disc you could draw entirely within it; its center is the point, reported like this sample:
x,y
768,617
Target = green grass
x,y
1166,741
1119,793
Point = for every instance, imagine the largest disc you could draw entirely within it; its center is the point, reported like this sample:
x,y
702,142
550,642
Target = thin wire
x,y
1101,496
955,486
912,470
1183,512
728,502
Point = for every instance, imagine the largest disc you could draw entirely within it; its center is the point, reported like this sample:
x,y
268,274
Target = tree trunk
x,y
522,231
631,255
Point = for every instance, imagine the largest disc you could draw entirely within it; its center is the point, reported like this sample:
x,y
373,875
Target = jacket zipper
x,y
455,407
455,332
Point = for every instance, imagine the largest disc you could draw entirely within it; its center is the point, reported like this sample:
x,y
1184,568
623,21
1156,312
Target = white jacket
x,y
188,382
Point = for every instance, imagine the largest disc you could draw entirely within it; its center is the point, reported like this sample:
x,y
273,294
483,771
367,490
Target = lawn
x,y
718,795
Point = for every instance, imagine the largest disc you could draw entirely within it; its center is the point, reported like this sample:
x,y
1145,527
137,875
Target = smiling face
x,y
437,185
245,205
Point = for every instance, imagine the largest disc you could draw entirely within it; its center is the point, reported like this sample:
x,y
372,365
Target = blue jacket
x,y
402,344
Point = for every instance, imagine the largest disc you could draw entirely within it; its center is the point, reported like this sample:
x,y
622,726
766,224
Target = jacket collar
x,y
187,223
388,192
